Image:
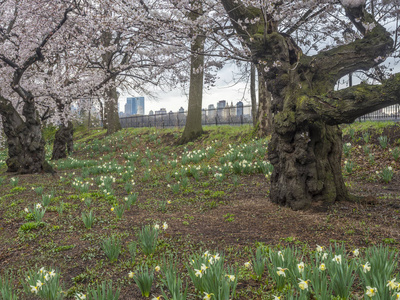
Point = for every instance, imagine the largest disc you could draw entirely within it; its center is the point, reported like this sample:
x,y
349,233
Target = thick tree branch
x,y
37,56
344,106
239,13
361,54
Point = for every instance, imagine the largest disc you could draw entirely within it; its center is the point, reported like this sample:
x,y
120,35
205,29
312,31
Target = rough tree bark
x,y
63,141
306,143
111,117
264,114
26,146
193,128
253,94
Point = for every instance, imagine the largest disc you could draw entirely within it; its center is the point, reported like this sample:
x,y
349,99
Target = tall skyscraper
x,y
220,107
134,106
140,105
239,108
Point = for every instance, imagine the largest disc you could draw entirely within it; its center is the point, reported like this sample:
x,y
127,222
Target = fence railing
x,y
390,113
231,115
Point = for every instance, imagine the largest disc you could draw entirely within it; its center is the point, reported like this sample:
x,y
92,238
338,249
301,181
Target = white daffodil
x,y
80,296
216,257
337,259
303,285
356,252
281,271
206,254
198,273
247,264
366,268
39,284
322,267
207,296
203,267
26,210
38,205
156,226
324,256
300,266
392,284
320,248
131,274
281,255
157,268
47,277
277,298
230,277
156,298
165,226
34,289
52,273
371,291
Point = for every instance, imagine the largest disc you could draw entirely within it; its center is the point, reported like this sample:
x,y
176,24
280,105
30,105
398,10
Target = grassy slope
x,y
206,212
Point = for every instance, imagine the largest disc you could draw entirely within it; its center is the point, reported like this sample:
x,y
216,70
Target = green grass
x,y
203,213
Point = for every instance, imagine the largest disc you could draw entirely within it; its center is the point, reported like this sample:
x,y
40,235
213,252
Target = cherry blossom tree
x,y
300,51
27,31
55,53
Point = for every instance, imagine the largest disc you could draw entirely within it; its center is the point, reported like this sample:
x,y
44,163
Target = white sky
x,y
223,90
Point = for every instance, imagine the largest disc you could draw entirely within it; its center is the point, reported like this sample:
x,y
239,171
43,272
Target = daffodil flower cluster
x,y
210,276
80,185
42,282
196,156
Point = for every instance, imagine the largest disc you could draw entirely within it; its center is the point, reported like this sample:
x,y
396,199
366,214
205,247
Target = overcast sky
x,y
172,101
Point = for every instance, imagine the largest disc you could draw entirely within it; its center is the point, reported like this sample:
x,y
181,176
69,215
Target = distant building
x,y
134,106
181,110
212,112
151,113
239,108
232,110
220,107
162,111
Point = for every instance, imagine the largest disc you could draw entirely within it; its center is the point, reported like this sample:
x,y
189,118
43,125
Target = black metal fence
x,y
231,115
390,113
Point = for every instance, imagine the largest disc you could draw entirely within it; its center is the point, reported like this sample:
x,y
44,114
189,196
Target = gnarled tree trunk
x,y
306,143
63,141
26,146
306,158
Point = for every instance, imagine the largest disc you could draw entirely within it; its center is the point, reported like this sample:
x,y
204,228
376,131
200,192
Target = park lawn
x,y
212,194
